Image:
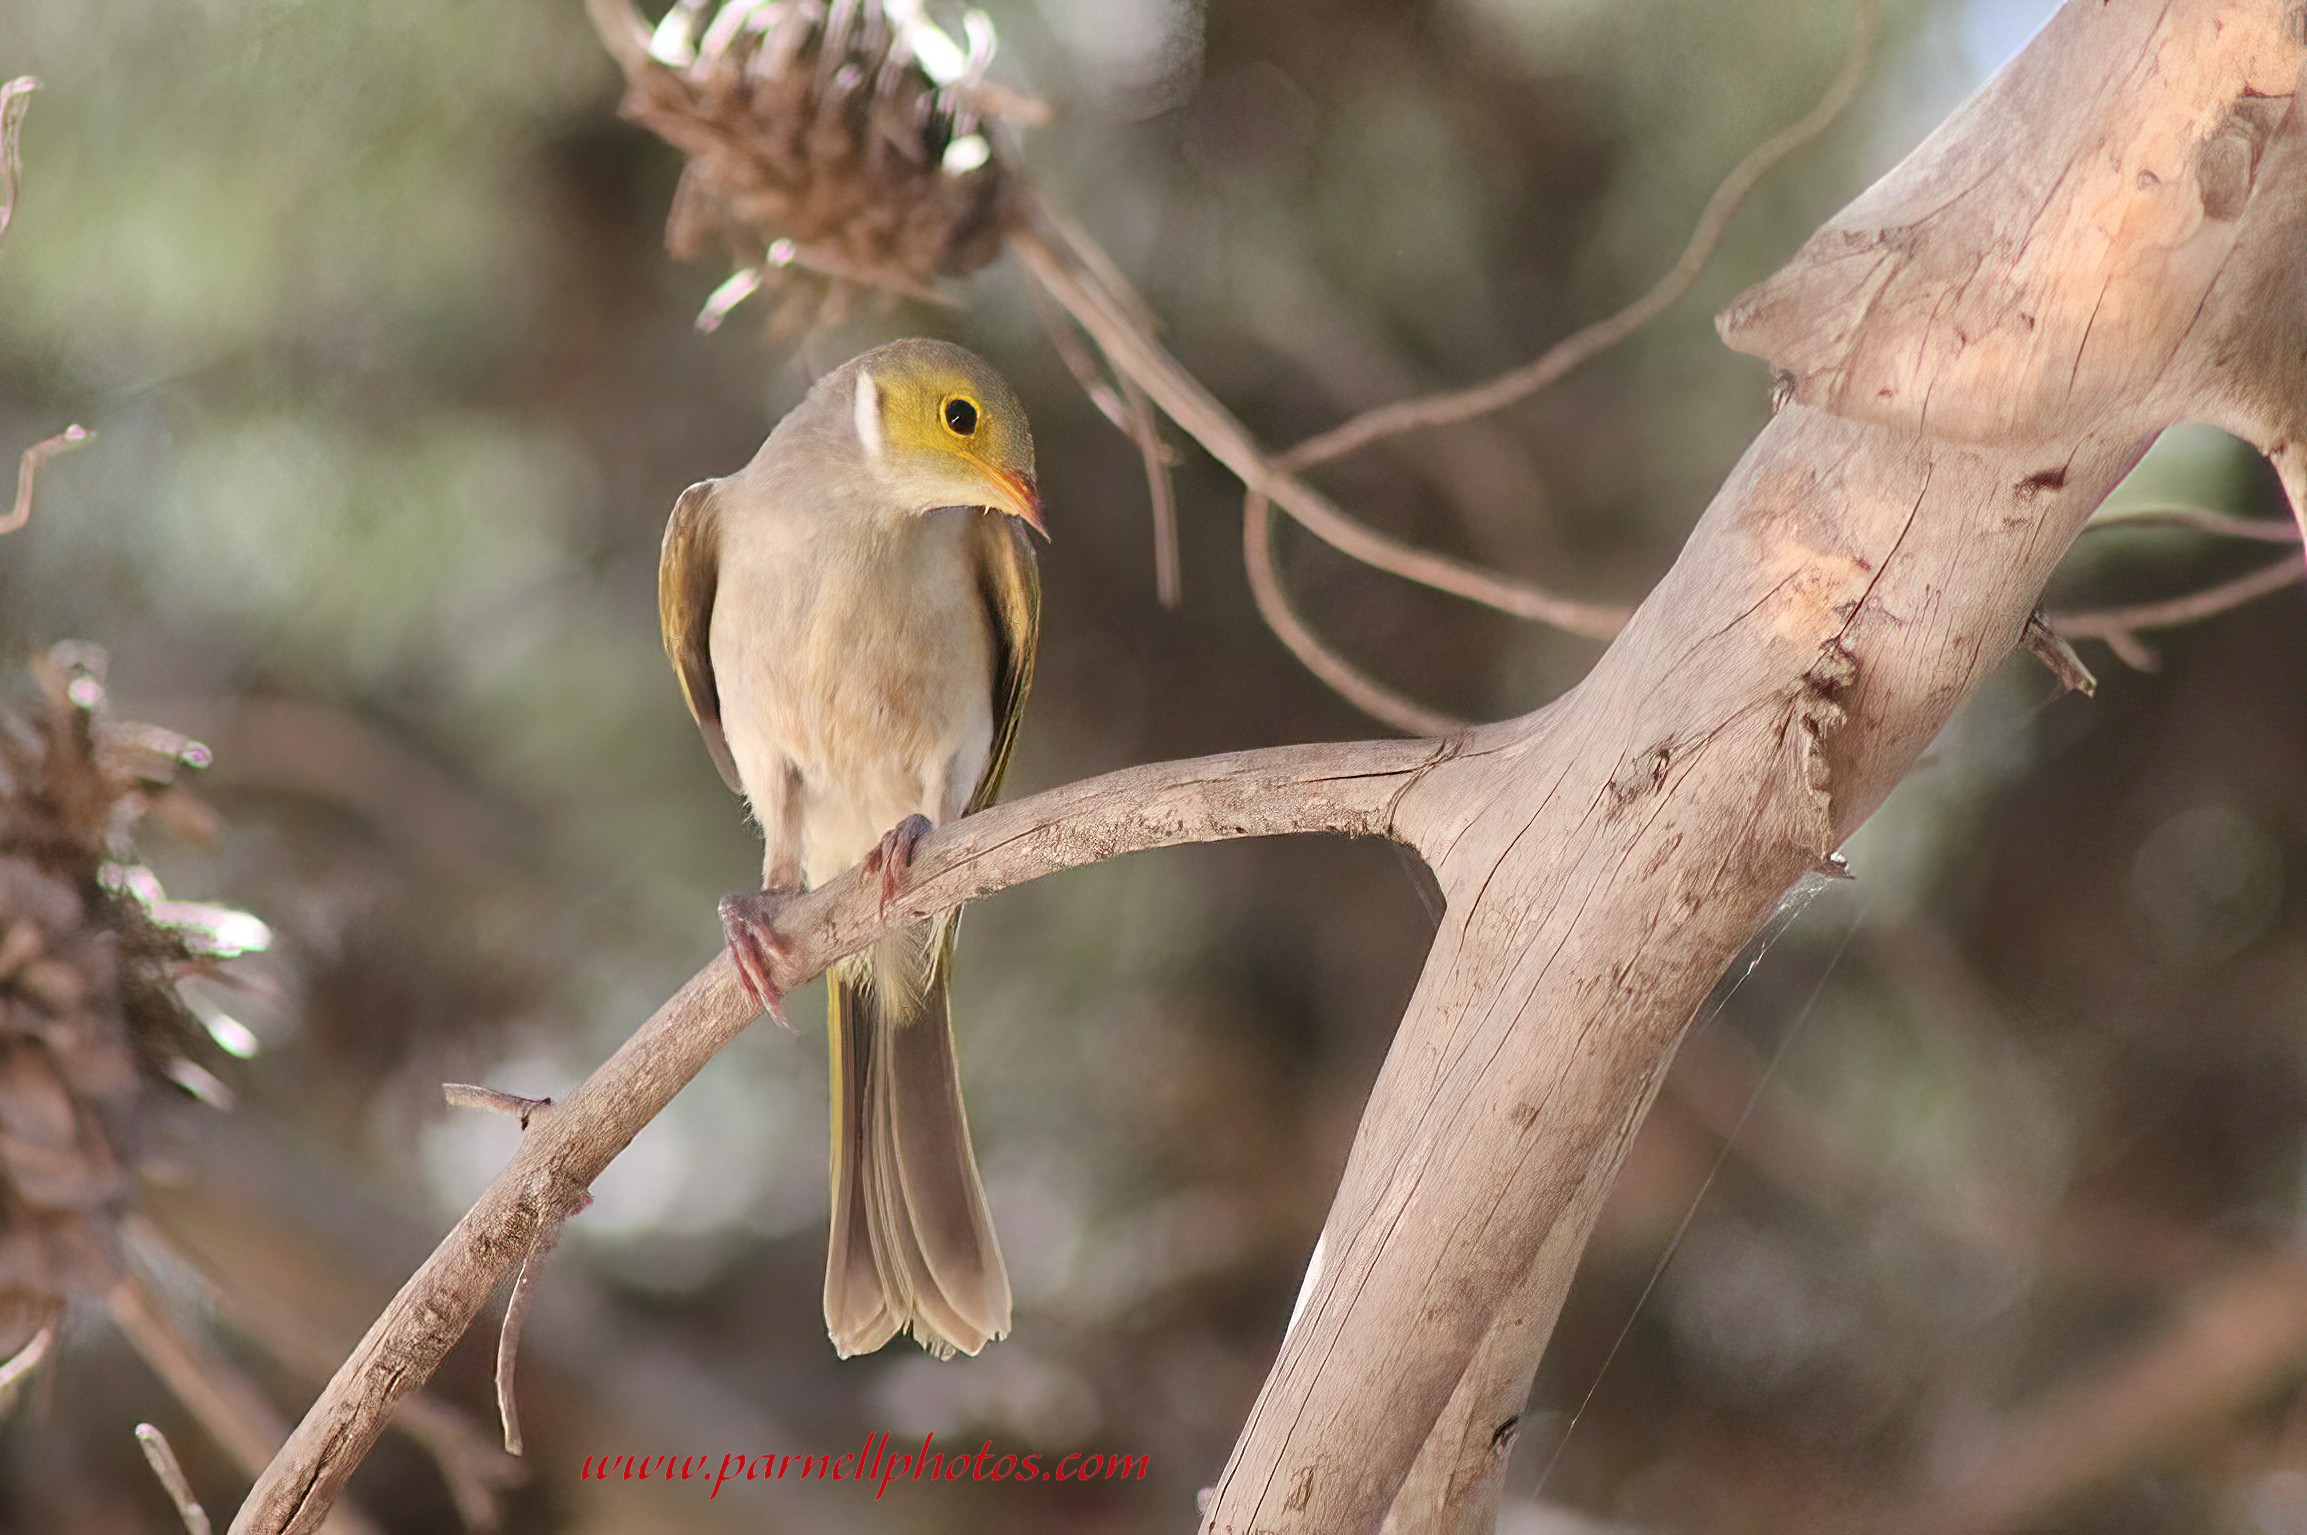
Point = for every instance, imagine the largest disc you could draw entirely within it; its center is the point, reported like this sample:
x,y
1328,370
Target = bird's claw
x,y
749,923
892,856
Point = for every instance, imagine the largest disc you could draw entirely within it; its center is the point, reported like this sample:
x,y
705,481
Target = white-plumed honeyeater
x,y
853,617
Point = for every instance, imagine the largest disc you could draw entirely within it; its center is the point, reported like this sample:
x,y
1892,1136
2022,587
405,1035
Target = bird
x,y
853,617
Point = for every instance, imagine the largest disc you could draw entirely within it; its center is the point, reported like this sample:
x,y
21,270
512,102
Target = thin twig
x,y
162,1460
509,1335
1146,428
1344,678
1583,346
1130,410
23,1362
1066,340
15,101
2264,530
472,1467
28,471
2118,628
474,1470
224,1402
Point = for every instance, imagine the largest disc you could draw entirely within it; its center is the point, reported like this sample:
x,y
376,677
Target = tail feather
x,y
912,1242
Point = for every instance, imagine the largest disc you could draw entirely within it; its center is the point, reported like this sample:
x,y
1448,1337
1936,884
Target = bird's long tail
x,y
912,1243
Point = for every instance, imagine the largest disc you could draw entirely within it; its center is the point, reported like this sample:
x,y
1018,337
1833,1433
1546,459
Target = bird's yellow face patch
x,y
941,416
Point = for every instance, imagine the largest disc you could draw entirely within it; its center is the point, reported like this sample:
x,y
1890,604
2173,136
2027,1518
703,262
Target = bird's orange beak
x,y
1024,498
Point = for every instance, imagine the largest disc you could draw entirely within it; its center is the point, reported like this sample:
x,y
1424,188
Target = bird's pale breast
x,y
859,652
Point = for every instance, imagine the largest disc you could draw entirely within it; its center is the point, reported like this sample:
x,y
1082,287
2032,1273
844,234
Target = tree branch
x,y
1353,788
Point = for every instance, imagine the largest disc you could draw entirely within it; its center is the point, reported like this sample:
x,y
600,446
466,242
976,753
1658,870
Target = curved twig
x,y
1351,787
2118,628
509,1334
23,1362
1582,346
28,472
1344,678
227,1405
1145,427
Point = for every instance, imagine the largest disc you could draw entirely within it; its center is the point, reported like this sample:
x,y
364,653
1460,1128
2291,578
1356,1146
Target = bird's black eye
x,y
960,416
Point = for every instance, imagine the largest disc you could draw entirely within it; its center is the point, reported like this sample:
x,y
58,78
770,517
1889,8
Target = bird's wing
x,y
1010,579
688,572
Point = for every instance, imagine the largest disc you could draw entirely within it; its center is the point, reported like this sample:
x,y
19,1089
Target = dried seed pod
x,y
90,1021
834,146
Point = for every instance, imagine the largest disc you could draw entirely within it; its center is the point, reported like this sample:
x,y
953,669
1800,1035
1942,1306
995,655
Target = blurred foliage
x,y
395,387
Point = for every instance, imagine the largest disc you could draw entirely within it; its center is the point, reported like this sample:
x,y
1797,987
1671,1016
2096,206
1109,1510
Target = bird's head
x,y
943,429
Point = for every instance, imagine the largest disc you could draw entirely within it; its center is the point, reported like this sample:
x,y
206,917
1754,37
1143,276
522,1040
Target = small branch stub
x,y
472,1095
2048,646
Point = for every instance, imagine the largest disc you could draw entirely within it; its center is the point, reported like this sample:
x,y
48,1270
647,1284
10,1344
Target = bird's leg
x,y
749,923
893,855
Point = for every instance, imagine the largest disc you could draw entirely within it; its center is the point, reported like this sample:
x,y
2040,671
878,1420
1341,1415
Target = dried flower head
x,y
834,146
91,1022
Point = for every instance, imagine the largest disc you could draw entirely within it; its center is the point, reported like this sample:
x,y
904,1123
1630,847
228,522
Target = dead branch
x,y
2050,647
471,1095
1354,789
161,1457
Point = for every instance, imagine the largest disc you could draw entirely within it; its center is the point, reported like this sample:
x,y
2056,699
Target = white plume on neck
x,y
868,412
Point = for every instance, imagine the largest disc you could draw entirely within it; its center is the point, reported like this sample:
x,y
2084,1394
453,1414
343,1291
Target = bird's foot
x,y
892,856
749,923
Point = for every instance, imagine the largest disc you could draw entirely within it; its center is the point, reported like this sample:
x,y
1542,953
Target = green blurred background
x,y
395,386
